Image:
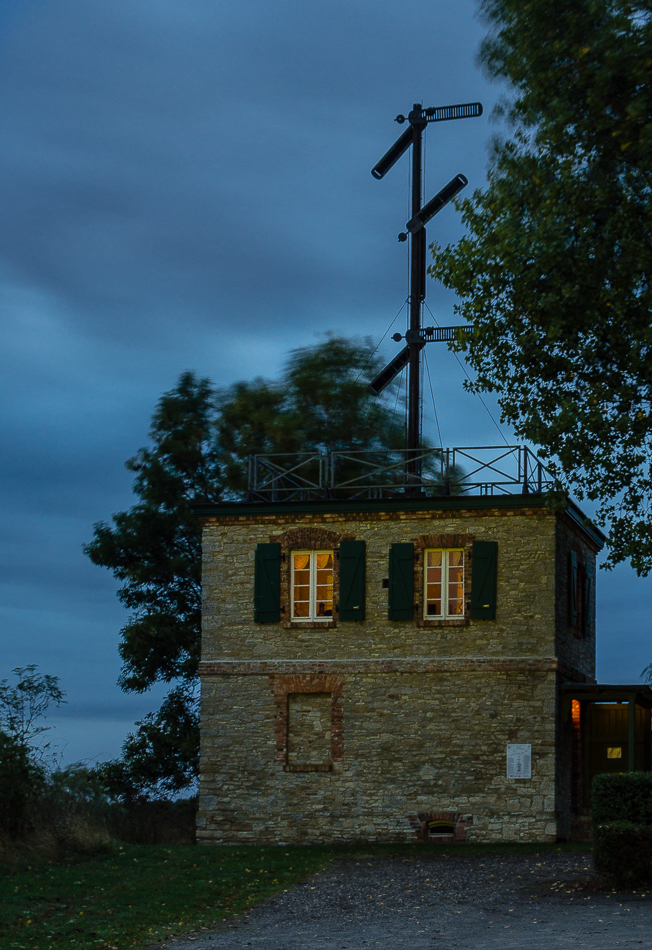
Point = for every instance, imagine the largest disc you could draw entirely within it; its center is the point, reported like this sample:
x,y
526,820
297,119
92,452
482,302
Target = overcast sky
x,y
186,184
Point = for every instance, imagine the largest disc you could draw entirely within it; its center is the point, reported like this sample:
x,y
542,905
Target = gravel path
x,y
532,901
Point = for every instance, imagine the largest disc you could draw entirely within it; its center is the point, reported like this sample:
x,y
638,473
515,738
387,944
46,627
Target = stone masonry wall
x,y
576,651
421,713
525,619
411,743
576,654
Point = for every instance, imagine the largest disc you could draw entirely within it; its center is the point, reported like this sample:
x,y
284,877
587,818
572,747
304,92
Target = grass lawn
x,y
138,895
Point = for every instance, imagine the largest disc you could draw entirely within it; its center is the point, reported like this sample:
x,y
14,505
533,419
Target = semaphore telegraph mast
x,y
417,337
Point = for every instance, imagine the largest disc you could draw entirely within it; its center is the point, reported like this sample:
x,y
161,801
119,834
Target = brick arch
x,y
311,538
424,541
419,822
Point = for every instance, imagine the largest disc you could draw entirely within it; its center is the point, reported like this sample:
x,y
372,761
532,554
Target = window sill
x,y
297,767
462,622
310,624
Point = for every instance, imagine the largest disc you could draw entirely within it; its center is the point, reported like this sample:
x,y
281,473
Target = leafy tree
x,y
23,706
162,756
21,781
554,271
199,439
22,758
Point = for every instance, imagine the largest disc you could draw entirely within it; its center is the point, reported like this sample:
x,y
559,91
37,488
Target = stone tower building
x,y
397,669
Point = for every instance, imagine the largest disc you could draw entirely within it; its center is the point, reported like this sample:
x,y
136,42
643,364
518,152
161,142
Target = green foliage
x,y
199,440
622,853
160,821
621,817
625,796
22,769
159,757
23,706
554,270
137,896
21,781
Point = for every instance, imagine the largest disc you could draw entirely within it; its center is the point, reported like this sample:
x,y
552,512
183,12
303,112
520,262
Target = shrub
x,y
626,796
622,853
621,815
21,782
154,822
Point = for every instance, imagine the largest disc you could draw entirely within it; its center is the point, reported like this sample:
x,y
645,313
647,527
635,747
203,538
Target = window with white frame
x,y
312,585
444,584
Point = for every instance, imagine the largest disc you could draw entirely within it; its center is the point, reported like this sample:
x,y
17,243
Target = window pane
x,y
455,558
433,583
325,560
301,609
455,591
455,607
301,562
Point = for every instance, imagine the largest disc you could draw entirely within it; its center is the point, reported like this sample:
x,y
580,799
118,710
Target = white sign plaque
x,y
519,761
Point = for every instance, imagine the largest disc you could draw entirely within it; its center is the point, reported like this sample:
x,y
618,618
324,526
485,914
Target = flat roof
x,y
238,509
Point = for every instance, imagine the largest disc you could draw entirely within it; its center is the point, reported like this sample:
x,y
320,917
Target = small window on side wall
x,y
312,585
444,584
580,594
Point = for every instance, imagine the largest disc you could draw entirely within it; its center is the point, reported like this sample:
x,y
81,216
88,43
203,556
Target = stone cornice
x,y
408,664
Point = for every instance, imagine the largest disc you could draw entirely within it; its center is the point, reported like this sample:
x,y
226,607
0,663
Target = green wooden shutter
x,y
573,606
483,580
587,600
352,580
267,583
401,582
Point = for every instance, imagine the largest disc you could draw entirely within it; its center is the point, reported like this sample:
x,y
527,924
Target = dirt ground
x,y
531,901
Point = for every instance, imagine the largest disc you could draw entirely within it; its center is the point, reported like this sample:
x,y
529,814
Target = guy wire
x,y
380,341
425,360
463,368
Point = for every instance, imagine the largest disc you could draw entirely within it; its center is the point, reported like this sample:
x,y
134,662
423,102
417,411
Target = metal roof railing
x,y
381,473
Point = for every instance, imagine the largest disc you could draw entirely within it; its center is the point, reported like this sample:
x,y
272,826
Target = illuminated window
x,y
444,584
312,585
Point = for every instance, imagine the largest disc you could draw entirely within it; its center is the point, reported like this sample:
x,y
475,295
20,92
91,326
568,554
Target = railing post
x,y
526,487
447,482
